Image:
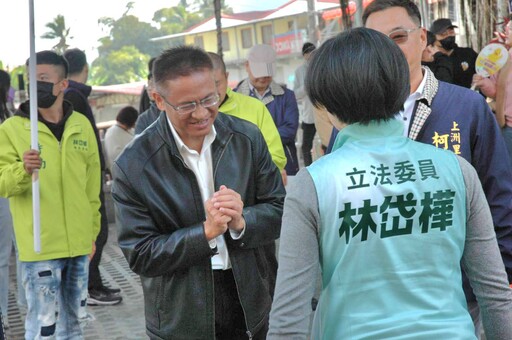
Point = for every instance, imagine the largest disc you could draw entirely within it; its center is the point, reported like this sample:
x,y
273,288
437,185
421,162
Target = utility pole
x,y
218,23
358,16
312,22
345,15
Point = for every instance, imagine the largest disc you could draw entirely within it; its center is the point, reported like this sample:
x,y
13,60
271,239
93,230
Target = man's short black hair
x,y
180,61
308,48
150,67
52,58
380,5
218,63
127,116
76,60
431,38
359,76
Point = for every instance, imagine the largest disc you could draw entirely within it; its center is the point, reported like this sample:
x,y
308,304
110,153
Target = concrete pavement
x,y
122,321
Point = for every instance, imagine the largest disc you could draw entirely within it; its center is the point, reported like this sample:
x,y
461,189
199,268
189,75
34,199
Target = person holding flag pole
x,y
48,146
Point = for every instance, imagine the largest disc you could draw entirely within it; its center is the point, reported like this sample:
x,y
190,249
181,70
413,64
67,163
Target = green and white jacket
x,y
69,182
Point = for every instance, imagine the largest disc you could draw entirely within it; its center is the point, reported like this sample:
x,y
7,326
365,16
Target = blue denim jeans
x,y
56,292
6,240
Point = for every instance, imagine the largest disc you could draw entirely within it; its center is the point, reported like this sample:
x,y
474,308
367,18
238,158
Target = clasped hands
x,y
223,211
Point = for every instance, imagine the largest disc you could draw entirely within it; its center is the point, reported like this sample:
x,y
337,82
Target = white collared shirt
x,y
256,93
410,103
202,166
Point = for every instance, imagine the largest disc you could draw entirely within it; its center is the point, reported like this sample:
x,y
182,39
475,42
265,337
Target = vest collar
x,y
354,132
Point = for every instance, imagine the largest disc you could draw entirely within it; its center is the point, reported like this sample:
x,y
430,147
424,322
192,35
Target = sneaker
x,y
102,297
111,290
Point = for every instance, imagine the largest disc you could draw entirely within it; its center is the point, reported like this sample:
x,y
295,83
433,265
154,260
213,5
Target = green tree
x,y
206,8
125,50
128,30
175,19
58,30
124,65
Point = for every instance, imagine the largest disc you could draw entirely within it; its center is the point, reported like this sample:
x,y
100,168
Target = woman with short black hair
x,y
387,220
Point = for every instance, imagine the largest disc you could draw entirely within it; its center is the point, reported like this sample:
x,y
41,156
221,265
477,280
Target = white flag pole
x,y
33,132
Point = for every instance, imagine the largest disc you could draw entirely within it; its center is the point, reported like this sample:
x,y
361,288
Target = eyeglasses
x,y
188,108
401,35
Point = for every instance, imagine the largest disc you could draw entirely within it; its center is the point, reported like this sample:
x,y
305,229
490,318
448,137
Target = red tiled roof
x,y
253,15
248,16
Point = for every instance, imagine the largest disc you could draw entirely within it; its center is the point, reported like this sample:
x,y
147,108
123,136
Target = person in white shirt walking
x,y
120,134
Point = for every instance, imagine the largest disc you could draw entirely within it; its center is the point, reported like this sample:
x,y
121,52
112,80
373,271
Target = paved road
x,y
122,321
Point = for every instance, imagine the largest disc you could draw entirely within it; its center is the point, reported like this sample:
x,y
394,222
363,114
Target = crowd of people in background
x,y
201,172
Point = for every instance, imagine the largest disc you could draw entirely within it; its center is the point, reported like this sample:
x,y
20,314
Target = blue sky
x,y
82,18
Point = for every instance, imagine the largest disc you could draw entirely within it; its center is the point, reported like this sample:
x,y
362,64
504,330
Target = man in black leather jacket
x,y
199,204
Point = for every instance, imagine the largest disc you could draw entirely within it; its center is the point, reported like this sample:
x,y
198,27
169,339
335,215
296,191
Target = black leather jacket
x,y
160,215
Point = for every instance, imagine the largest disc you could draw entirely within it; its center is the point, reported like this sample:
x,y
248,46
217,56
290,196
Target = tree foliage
x,y
125,49
58,30
206,7
124,65
128,30
174,20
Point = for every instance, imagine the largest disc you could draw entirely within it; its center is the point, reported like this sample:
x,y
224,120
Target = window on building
x,y
246,38
198,41
266,34
225,41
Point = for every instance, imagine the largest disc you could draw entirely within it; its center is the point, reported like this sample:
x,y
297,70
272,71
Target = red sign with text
x,y
288,43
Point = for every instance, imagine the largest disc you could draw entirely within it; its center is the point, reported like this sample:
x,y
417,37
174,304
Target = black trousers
x,y
308,135
95,281
229,316
2,334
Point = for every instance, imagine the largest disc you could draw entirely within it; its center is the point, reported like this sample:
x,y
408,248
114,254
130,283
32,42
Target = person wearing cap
x,y
247,108
439,63
463,58
307,116
280,101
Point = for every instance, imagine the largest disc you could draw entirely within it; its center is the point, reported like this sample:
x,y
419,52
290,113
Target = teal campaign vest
x,y
392,233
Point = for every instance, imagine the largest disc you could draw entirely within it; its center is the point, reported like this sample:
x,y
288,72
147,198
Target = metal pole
x,y
33,131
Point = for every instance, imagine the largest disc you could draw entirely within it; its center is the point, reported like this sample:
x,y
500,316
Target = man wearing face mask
x,y
463,58
54,279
